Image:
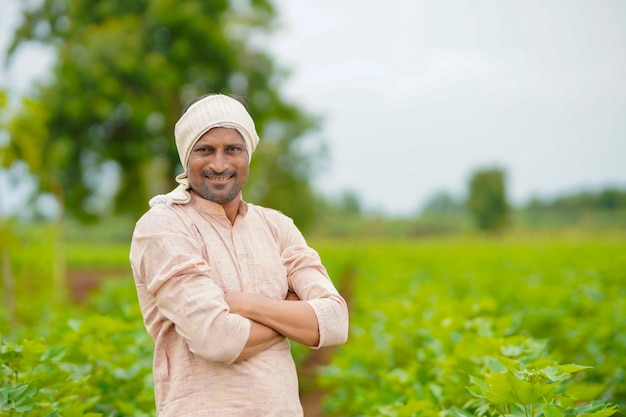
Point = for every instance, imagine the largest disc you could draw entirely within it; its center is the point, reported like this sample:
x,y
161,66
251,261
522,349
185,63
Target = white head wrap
x,y
215,110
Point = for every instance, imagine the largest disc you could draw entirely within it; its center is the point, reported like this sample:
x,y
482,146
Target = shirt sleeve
x,y
309,279
167,258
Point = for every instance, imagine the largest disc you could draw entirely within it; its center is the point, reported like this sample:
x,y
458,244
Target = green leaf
x,y
527,393
23,408
387,411
562,372
494,365
4,397
54,353
476,392
550,410
399,375
478,382
511,350
601,413
507,389
572,367
499,390
21,391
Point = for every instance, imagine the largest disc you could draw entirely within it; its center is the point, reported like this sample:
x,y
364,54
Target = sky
x,y
417,95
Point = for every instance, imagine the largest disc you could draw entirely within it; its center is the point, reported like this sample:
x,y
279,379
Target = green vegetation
x,y
484,326
528,321
94,361
519,324
487,199
445,214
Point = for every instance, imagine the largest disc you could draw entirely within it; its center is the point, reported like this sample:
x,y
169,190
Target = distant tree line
x,y
604,208
485,207
609,199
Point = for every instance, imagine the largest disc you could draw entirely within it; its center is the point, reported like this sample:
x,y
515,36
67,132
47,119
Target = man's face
x,y
218,165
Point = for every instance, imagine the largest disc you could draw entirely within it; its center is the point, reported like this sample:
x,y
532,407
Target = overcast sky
x,y
418,94
415,95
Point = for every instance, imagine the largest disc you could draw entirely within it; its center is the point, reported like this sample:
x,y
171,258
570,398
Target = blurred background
x,y
386,111
420,122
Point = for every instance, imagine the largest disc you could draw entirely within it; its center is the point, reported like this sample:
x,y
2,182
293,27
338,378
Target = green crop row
x,y
459,326
516,326
95,361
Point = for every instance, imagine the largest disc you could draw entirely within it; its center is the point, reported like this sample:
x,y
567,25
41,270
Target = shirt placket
x,y
243,259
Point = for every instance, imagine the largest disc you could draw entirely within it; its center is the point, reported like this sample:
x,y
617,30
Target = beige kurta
x,y
184,258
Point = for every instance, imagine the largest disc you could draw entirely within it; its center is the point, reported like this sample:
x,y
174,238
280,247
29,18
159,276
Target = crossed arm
x,y
272,320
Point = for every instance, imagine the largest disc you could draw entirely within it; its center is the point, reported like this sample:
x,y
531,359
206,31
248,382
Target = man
x,y
223,284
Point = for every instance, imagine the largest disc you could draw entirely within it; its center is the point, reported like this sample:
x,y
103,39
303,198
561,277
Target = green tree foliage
x,y
123,73
487,199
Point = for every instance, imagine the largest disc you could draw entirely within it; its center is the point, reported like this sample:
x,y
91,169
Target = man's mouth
x,y
220,178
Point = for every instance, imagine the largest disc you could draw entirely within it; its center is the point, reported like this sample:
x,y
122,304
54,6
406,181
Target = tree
x,y
487,199
123,74
442,202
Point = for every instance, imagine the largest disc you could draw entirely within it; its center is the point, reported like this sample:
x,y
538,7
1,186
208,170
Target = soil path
x,y
82,281
313,396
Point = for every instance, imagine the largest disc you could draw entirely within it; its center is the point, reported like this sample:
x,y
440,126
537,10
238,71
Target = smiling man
x,y
218,166
223,284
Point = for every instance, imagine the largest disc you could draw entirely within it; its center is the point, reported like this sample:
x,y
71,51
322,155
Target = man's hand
x,y
292,296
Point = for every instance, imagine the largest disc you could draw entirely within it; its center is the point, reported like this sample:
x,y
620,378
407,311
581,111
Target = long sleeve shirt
x,y
184,259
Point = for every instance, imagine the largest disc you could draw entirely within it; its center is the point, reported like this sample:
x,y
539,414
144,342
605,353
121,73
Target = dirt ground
x,y
82,281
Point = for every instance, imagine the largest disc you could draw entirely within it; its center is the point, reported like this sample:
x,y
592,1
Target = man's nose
x,y
219,161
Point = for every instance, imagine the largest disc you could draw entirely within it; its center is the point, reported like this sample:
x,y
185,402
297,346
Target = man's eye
x,y
235,149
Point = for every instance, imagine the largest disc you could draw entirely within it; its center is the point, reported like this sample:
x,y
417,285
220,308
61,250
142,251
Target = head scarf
x,y
214,110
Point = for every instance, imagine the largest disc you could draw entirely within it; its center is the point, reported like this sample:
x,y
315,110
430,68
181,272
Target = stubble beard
x,y
205,192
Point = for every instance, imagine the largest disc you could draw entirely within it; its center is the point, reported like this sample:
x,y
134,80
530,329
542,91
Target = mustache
x,y
213,173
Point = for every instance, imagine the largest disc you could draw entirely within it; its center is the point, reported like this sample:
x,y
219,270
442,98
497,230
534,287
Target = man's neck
x,y
231,208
